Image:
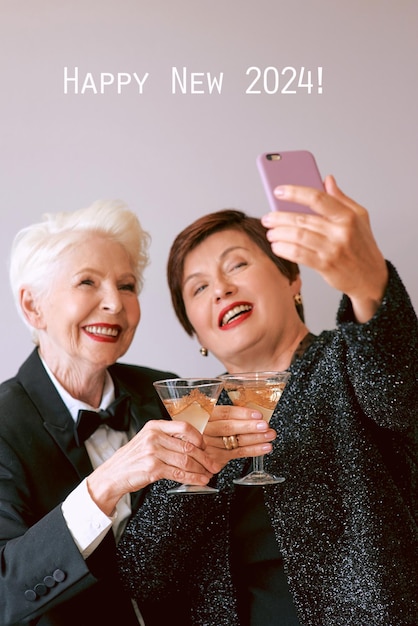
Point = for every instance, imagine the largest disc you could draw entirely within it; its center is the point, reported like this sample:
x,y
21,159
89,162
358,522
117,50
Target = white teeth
x,y
232,312
101,330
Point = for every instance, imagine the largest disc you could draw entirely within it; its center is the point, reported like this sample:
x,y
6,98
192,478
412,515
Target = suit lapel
x,y
144,403
53,413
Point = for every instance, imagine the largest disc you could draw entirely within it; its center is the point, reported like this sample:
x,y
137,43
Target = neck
x,y
83,385
278,360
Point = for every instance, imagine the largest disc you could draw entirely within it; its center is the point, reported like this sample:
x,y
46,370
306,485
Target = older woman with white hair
x,y
67,478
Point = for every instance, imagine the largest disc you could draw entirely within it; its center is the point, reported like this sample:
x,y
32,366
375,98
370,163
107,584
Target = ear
x,y
30,308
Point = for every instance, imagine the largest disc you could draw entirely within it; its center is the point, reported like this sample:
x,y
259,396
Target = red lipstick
x,y
234,314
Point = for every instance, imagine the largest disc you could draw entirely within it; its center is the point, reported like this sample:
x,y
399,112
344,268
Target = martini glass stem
x,y
258,464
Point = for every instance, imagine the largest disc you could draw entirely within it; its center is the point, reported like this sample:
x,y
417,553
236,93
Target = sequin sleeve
x,y
382,357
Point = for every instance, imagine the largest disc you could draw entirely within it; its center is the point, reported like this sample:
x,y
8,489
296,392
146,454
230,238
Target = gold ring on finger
x,y
231,442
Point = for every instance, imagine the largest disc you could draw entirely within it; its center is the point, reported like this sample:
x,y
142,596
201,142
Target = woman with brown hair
x,y
336,543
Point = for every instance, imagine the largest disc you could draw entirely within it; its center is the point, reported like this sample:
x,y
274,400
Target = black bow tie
x,y
116,416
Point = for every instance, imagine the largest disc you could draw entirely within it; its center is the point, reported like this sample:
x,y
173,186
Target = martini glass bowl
x,y
190,400
261,391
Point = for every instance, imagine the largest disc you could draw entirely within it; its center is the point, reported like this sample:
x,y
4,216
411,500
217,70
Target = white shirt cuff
x,y
87,524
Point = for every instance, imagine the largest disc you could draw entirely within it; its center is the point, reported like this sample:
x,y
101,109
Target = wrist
x,y
102,493
366,304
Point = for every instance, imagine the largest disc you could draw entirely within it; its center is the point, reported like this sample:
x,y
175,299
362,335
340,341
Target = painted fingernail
x,y
266,220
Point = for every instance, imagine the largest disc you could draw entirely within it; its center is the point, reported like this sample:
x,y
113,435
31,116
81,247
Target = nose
x,y
223,288
111,300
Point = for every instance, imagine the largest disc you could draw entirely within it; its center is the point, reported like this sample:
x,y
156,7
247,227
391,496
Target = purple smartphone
x,y
297,167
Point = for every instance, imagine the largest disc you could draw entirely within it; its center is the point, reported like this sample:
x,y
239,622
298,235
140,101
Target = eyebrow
x,y
96,271
223,255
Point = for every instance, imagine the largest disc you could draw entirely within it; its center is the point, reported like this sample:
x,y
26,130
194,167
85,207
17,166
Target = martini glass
x,y
190,400
261,391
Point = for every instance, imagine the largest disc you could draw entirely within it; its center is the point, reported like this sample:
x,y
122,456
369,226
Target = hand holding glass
x,y
261,391
190,400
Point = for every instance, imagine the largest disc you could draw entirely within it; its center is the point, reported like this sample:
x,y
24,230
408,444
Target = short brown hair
x,y
197,232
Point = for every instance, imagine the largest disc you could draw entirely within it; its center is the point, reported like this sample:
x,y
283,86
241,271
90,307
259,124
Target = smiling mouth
x,y
234,313
102,331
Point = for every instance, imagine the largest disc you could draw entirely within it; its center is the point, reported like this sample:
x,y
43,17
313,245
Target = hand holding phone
x,y
297,167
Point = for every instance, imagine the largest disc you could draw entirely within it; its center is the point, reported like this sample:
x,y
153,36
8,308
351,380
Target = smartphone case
x,y
297,167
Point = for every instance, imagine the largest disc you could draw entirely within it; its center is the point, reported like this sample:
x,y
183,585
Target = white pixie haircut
x,y
37,249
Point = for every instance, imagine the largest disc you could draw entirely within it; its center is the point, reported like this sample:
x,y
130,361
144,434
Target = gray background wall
x,y
175,156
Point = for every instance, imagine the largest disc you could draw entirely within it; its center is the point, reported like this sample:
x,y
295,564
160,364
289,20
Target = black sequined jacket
x,y
345,519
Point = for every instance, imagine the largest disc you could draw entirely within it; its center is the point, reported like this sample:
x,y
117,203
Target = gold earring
x,y
203,351
298,299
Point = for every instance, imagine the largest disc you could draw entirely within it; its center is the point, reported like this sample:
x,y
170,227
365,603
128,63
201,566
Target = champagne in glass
x,y
190,400
261,391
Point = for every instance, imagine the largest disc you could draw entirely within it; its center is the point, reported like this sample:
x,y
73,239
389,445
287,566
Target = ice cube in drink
x,y
263,399
194,409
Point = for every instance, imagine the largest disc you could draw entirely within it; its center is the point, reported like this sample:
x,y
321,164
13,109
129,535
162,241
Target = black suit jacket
x,y
43,578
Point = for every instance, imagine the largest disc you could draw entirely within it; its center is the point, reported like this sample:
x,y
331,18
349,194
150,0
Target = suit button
x,y
49,581
30,595
40,589
59,575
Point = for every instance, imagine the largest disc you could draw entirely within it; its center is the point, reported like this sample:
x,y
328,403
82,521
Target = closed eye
x,y
199,289
128,287
237,266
